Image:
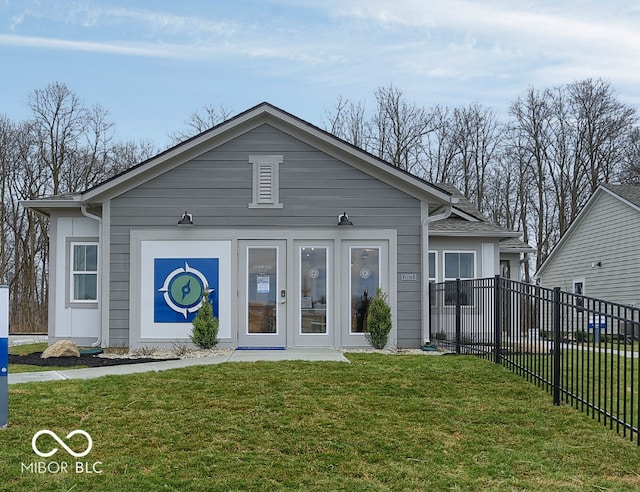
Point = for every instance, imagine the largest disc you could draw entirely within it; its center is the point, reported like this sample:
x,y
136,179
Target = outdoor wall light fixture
x,y
596,264
343,220
186,220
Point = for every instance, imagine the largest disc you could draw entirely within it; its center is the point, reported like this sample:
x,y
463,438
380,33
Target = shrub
x,y
378,320
581,336
204,333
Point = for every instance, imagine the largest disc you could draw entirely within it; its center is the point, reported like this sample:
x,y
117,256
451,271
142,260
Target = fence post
x,y
557,342
4,356
497,313
458,315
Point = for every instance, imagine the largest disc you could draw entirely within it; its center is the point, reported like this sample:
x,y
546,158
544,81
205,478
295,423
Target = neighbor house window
x,y
266,181
459,265
433,273
578,290
84,272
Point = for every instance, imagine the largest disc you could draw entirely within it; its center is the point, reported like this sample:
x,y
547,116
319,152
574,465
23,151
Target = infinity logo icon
x,y
61,443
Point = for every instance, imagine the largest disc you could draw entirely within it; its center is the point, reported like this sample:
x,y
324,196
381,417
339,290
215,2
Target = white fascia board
x,y
471,234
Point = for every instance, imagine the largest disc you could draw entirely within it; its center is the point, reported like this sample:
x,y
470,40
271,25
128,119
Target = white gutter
x,y
87,214
428,219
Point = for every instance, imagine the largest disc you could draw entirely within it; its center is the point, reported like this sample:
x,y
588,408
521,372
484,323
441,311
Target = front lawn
x,y
381,423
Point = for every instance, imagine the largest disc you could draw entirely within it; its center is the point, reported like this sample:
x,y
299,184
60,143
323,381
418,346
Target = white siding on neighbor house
x,y
486,251
314,188
607,232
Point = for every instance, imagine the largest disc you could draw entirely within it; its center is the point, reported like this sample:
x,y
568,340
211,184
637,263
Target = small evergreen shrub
x,y
378,320
204,333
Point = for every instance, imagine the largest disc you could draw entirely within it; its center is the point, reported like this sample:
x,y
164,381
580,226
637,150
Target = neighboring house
x,y
513,255
286,227
598,256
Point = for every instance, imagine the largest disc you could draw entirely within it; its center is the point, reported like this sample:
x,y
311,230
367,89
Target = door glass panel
x,y
365,279
262,290
313,290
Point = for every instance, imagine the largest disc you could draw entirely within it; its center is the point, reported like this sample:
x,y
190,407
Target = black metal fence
x,y
584,351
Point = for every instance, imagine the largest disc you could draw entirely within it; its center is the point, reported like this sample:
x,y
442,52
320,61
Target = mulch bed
x,y
34,359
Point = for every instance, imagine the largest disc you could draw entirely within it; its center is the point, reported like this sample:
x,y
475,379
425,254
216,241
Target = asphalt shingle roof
x,y
631,193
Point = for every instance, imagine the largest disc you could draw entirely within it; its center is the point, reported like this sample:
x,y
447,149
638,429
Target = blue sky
x,y
153,63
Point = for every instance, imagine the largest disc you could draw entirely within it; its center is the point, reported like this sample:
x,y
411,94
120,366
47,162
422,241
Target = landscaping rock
x,y
62,348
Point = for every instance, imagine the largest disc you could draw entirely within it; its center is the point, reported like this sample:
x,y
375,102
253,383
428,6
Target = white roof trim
x,y
554,252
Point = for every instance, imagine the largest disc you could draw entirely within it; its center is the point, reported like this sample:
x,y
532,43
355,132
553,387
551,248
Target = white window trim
x,y
579,302
265,166
435,266
70,301
444,270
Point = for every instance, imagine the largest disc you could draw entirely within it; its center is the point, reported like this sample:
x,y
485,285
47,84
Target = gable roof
x,y
515,245
232,128
627,194
467,220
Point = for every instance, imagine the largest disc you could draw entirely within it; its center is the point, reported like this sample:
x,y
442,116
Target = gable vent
x,y
265,183
266,177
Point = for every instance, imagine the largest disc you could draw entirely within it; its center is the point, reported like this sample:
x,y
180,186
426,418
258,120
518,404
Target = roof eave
x,y
505,234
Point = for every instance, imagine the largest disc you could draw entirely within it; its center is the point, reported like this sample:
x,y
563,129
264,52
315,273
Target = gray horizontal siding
x,y
216,188
607,232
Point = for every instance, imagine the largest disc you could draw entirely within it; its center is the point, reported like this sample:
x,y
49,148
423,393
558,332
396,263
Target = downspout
x,y
429,219
87,214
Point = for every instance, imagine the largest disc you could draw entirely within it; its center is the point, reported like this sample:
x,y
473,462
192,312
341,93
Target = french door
x,y
262,294
313,292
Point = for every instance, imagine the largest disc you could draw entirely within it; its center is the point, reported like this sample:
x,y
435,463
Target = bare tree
x,y
479,139
441,148
200,121
399,128
65,147
348,122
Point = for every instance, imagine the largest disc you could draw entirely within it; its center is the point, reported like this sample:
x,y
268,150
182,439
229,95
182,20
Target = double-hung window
x,y
84,272
459,265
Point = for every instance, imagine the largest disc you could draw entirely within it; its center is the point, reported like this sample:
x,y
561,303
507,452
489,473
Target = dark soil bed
x,y
34,359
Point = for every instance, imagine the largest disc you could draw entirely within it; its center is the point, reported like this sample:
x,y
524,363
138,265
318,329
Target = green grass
x,y
380,423
27,349
606,380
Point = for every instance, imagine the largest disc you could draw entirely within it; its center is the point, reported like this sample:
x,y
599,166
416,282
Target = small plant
x,y
581,336
180,349
441,335
144,351
204,333
378,320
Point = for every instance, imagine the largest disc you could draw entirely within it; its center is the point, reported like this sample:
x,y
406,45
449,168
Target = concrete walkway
x,y
309,354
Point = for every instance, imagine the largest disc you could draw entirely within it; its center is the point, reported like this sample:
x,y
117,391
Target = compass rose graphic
x,y
183,289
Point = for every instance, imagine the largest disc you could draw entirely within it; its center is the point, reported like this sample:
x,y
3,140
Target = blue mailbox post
x,y
4,355
597,324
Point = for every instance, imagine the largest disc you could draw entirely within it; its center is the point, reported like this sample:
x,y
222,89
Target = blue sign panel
x,y
179,286
4,356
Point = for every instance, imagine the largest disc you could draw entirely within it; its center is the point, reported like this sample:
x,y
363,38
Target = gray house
x,y
286,228
598,255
